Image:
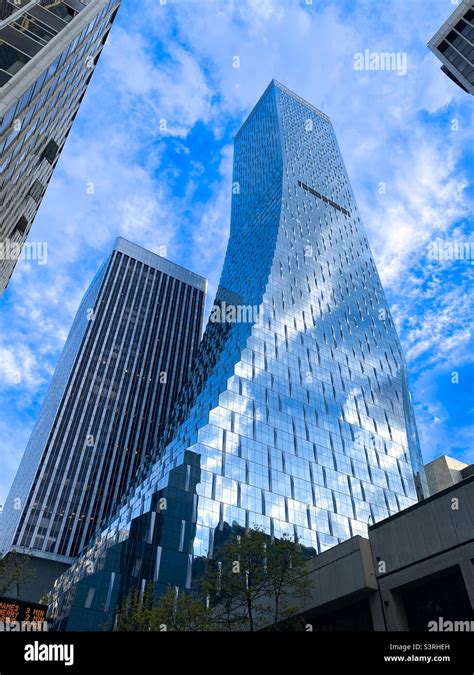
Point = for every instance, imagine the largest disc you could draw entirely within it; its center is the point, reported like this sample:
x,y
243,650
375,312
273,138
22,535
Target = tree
x,y
289,582
223,593
180,613
133,614
15,570
173,612
252,578
237,580
251,582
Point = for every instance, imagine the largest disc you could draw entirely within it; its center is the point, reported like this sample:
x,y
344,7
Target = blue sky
x,y
172,187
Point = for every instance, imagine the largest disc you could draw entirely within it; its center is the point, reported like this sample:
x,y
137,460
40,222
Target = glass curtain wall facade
x,y
48,52
130,349
453,44
297,418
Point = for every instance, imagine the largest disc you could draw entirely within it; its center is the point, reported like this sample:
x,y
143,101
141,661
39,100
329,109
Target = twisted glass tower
x,y
298,417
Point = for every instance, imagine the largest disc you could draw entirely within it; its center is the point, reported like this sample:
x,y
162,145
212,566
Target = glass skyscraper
x,y
298,417
48,52
129,351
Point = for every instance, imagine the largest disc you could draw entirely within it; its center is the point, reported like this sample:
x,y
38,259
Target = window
x,y
34,28
60,9
11,60
89,598
36,191
6,8
4,78
50,151
21,226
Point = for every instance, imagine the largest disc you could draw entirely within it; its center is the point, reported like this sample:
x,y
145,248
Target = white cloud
x,y
117,144
424,196
174,92
211,233
19,366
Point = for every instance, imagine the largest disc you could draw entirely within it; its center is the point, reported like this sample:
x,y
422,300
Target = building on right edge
x,y
445,471
453,44
298,417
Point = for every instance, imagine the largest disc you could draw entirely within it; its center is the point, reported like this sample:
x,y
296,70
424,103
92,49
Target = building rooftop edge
x,y
143,254
453,18
279,85
448,457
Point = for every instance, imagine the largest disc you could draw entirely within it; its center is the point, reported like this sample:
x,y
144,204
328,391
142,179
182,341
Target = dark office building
x,y
129,351
453,44
48,52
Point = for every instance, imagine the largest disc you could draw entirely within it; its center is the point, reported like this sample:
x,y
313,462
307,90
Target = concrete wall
x,y
424,540
444,472
427,540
